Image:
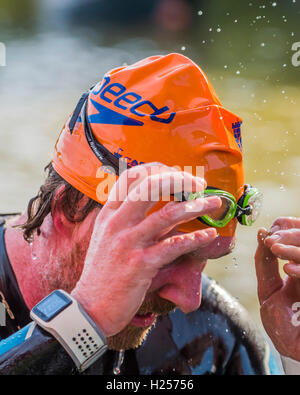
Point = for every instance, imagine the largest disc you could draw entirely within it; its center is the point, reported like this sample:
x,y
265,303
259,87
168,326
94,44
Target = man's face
x,y
176,285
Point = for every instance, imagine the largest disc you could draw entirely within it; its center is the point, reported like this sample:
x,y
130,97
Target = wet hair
x,y
42,204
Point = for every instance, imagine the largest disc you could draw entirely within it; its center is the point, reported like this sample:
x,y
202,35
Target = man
x,y
129,258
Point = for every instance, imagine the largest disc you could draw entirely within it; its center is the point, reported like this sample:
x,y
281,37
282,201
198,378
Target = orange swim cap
x,y
160,109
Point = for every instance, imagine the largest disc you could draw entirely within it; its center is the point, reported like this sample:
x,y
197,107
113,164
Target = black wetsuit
x,y
218,338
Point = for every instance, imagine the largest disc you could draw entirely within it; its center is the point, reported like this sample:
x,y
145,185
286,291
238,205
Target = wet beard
x,y
133,336
130,337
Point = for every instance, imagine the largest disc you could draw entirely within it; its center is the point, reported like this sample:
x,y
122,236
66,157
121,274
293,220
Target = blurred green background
x,y
57,49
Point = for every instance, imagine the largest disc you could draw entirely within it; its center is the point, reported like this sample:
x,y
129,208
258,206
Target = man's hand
x,y
128,248
280,299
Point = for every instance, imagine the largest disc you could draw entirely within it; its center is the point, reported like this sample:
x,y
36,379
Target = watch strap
x,y
76,332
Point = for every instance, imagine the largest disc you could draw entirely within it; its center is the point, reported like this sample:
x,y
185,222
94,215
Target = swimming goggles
x,y
246,209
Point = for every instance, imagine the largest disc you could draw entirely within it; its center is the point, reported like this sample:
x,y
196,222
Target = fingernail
x,y
274,237
211,232
274,228
213,200
193,206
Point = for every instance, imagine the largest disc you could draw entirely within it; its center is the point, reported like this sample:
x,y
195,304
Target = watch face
x,y
50,306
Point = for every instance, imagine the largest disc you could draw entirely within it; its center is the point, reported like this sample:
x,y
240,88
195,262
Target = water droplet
x,y
33,254
200,12
238,72
183,48
118,363
262,44
116,371
219,29
274,4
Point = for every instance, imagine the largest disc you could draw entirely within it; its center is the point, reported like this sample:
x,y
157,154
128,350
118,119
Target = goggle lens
x,y
221,216
253,200
246,210
221,213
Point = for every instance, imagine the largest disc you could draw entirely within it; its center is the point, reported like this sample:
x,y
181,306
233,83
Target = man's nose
x,y
182,284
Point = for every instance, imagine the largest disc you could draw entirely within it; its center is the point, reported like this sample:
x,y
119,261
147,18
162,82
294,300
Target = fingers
x,y
129,179
288,237
173,214
147,193
267,271
292,269
169,249
283,223
285,244
289,253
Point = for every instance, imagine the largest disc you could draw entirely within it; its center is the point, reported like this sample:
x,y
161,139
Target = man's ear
x,y
60,222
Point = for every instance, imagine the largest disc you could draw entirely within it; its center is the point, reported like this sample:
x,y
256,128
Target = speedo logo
x,y
117,95
236,127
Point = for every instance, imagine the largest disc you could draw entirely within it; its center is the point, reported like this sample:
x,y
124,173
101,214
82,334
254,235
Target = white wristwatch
x,y
62,316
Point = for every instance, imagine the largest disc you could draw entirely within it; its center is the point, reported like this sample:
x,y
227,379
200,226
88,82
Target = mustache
x,y
157,305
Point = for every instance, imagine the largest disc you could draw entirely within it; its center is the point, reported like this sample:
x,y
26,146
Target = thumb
x,y
267,271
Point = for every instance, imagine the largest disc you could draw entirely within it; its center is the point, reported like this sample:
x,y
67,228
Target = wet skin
x,y
279,297
117,245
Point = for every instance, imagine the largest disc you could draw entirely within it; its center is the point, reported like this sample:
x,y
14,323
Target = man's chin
x,y
133,335
130,337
